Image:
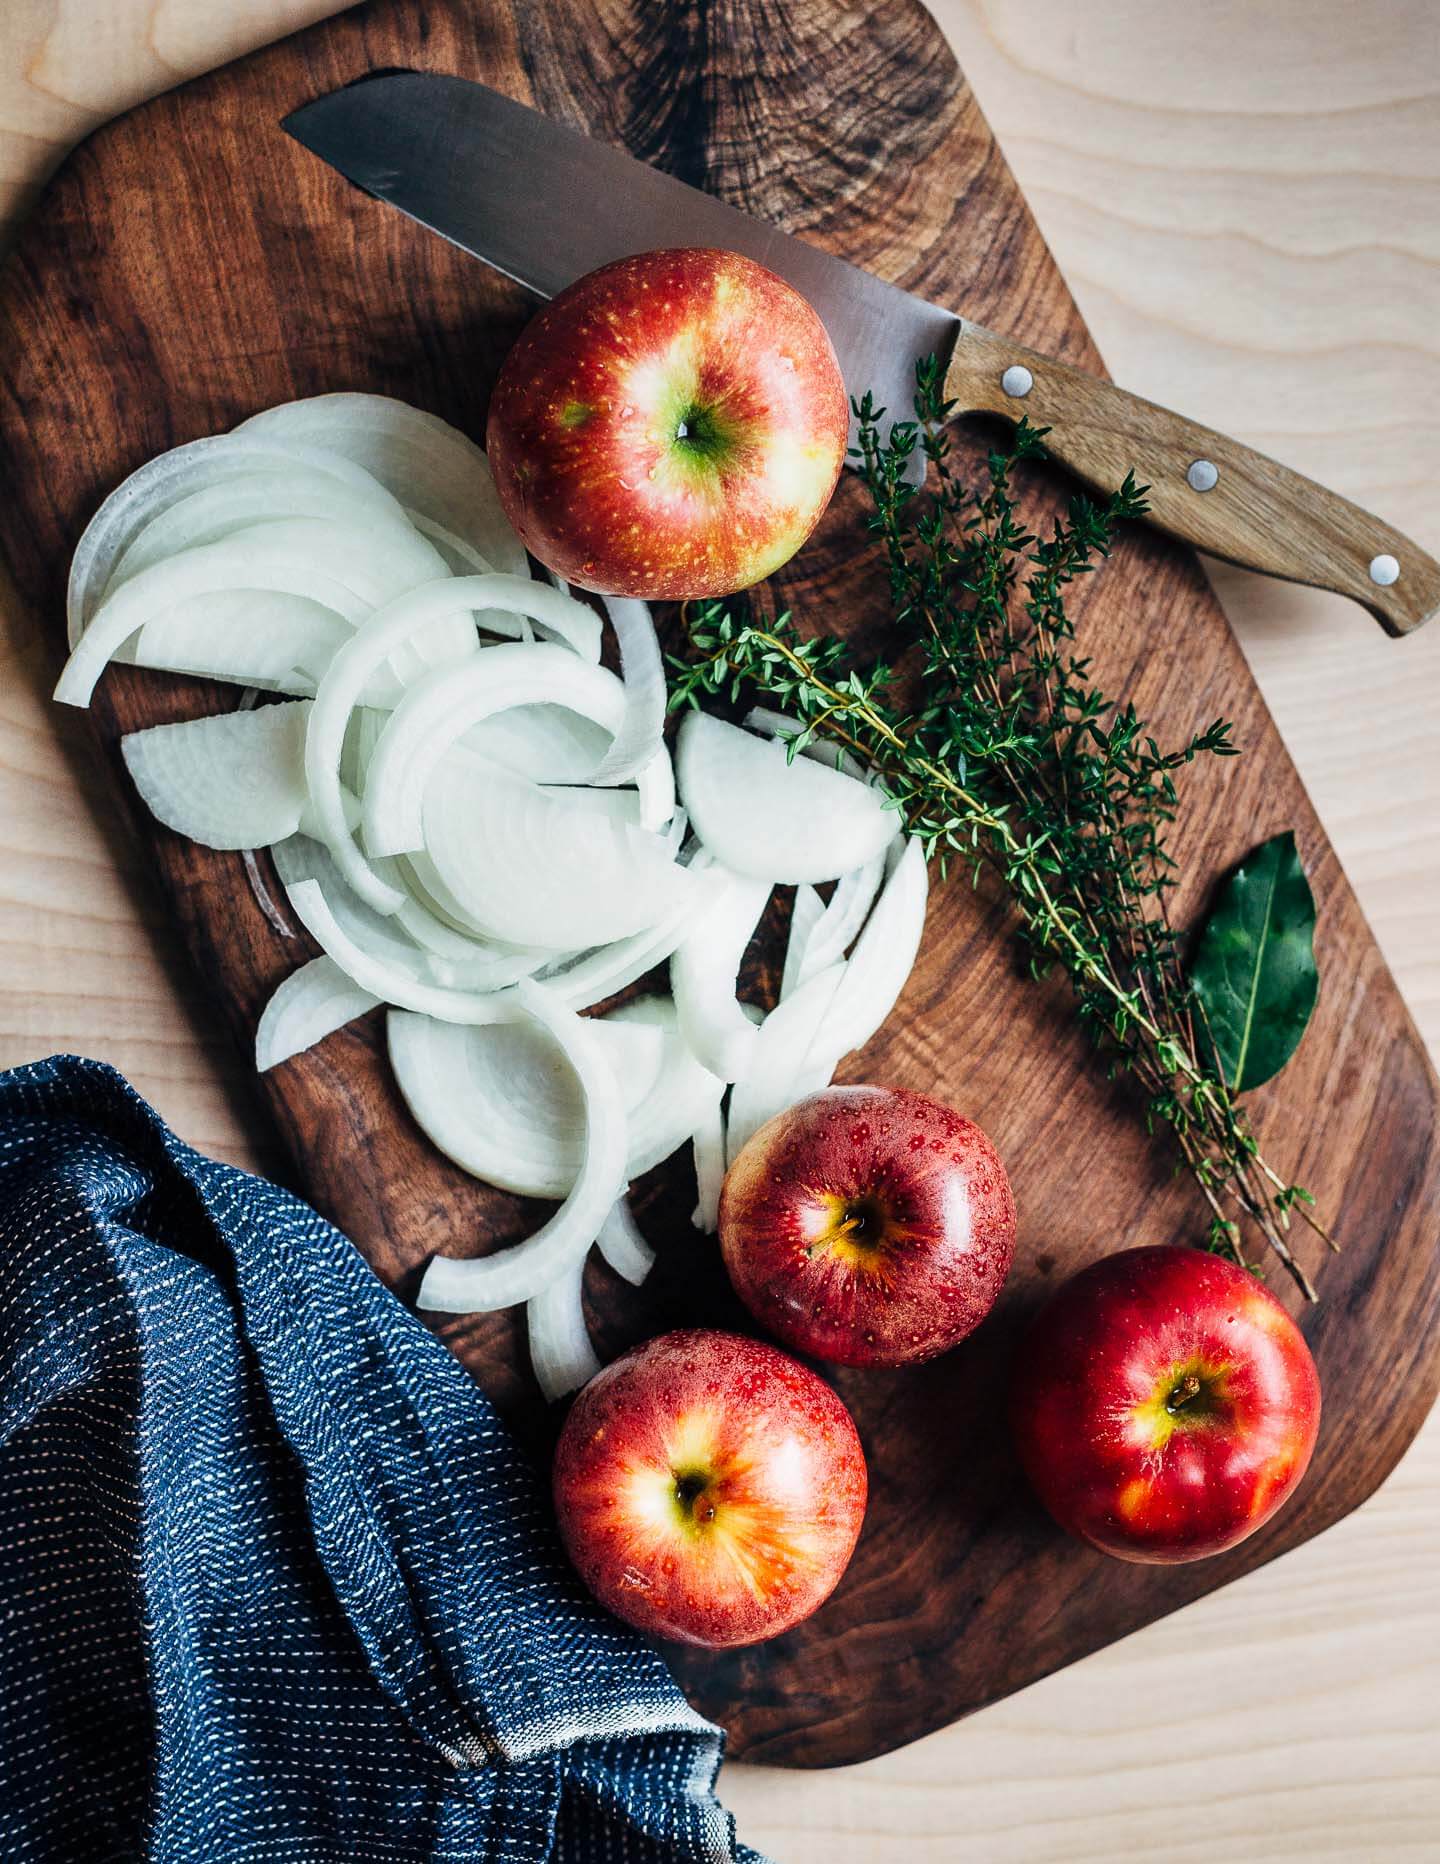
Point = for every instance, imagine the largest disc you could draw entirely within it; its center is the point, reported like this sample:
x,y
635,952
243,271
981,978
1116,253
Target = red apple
x,y
709,1488
671,425
1164,1404
868,1225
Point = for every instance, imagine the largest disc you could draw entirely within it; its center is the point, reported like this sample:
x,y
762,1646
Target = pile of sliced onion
x,y
479,826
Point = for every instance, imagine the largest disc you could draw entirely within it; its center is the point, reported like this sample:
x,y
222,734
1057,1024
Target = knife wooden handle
x,y
1206,489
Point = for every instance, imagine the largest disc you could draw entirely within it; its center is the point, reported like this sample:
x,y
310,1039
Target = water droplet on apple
x,y
626,412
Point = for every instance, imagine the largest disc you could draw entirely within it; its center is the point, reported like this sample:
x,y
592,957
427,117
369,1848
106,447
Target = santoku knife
x,y
544,205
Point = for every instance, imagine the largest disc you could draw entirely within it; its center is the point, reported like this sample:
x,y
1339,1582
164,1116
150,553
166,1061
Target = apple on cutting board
x,y
709,1488
670,426
1164,1404
868,1226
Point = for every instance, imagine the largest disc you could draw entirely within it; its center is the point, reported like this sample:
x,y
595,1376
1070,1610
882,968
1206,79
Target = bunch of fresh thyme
x,y
1011,760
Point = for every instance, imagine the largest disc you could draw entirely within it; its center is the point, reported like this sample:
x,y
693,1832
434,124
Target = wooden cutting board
x,y
191,265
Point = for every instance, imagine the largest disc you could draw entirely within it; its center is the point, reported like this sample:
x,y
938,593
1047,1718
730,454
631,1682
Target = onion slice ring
x,y
439,709
703,975
708,1144
307,1006
775,816
501,1102
520,1272
641,736
358,660
383,978
783,1069
623,1245
561,1354
539,866
416,456
880,964
233,780
175,475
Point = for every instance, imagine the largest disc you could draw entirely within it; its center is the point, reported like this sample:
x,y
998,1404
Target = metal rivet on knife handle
x,y
1017,380
1384,570
1200,486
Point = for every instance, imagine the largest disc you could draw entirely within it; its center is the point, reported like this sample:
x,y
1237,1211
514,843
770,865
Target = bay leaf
x,y
1254,966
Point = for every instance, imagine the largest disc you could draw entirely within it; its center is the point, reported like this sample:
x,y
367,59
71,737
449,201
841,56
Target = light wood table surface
x,y
1258,244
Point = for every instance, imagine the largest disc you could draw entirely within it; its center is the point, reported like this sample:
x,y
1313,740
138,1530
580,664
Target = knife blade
x,y
544,204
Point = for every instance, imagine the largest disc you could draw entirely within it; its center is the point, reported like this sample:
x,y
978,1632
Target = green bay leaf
x,y
1254,964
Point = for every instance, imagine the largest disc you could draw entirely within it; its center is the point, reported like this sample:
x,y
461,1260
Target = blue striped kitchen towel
x,y
275,1583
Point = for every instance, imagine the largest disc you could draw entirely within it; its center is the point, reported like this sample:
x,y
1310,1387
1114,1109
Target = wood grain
x,y
1253,511
1189,235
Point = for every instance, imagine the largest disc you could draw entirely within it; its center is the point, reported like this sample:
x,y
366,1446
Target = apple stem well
x,y
692,1498
1189,1388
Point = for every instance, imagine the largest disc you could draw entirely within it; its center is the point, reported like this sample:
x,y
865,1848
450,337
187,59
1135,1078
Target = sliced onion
x,y
341,568
560,1351
438,710
383,977
641,735
805,916
238,505
708,1144
703,975
883,959
678,1099
675,832
236,780
599,974
547,743
309,1005
777,819
783,1069
250,637
177,474
385,939
521,1271
503,1103
208,570
841,921
358,660
461,559
544,867
623,1245
424,461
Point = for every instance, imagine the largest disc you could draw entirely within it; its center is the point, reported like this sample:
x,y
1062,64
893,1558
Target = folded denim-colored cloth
x,y
275,1583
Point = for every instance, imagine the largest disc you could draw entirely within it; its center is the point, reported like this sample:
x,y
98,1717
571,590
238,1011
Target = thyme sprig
x,y
1011,760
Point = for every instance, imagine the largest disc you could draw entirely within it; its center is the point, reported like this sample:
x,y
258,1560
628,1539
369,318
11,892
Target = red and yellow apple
x,y
669,426
1164,1404
709,1488
868,1225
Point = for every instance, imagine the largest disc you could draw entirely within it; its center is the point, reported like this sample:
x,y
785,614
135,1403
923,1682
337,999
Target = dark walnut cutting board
x,y
191,265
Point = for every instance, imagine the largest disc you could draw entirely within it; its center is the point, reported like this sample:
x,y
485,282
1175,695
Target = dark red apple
x,y
709,1488
1164,1404
671,425
868,1225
